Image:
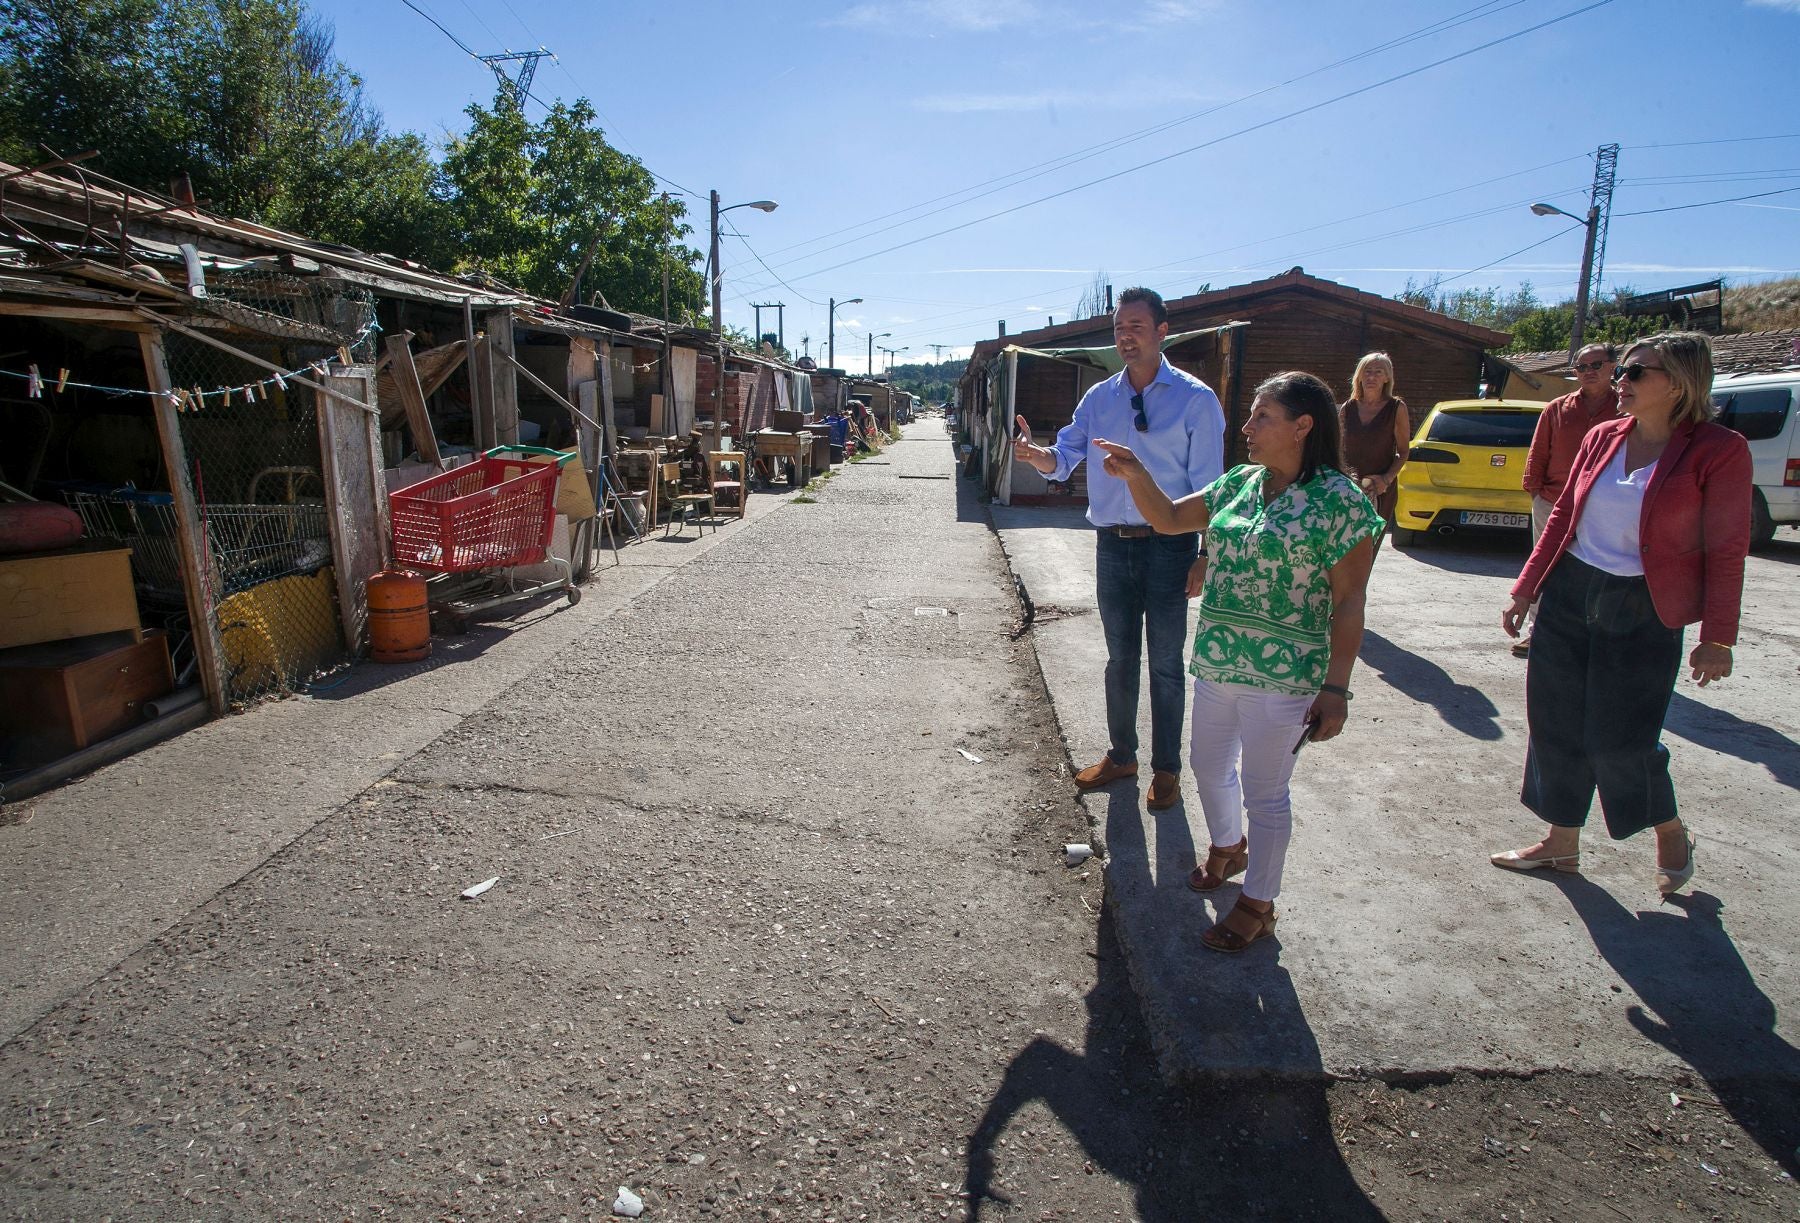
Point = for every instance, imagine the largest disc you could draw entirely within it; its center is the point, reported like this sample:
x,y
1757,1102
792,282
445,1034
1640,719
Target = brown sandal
x,y
1221,864
1223,938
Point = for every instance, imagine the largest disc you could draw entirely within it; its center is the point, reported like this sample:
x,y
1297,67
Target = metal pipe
x,y
179,699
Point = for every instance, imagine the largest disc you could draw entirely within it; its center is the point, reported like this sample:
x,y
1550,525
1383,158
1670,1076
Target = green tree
x,y
528,200
245,96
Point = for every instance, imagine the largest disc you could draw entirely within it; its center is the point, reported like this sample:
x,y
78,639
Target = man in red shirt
x,y
1564,422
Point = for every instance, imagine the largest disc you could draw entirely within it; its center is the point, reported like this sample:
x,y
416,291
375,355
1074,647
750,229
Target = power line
x,y
1709,203
1689,144
1484,267
922,325
1255,127
1040,169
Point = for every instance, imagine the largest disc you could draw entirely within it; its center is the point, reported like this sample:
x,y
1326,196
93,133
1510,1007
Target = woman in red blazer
x,y
1649,535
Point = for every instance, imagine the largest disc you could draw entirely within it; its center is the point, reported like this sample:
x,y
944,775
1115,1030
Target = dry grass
x,y
1768,306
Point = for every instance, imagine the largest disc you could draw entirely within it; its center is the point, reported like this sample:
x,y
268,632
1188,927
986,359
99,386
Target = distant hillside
x,y
1769,306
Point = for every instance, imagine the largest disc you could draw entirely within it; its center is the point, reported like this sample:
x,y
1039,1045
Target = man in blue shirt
x,y
1174,423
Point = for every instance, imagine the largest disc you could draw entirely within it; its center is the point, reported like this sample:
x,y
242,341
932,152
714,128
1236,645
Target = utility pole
x,y
1606,168
780,329
937,351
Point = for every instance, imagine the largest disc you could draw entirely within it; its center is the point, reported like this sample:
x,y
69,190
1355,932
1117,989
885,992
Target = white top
x,y
1606,537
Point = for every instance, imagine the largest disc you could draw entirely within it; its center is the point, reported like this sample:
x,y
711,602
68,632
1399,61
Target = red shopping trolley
x,y
488,516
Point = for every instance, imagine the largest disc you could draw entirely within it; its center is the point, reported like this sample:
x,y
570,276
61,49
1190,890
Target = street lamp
x,y
717,308
879,335
831,330
1592,222
891,352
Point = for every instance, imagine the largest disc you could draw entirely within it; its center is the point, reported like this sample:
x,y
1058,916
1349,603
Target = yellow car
x,y
1467,469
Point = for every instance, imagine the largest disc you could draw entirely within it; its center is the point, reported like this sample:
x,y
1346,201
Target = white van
x,y
1765,408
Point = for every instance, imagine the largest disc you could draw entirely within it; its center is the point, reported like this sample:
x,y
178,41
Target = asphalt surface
x,y
782,926
1401,951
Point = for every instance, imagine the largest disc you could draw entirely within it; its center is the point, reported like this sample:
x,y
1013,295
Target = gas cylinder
x,y
399,617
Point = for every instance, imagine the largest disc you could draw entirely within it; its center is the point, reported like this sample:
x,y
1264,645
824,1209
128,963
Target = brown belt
x,y
1130,532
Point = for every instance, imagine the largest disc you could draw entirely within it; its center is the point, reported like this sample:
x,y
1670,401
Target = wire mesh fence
x,y
251,441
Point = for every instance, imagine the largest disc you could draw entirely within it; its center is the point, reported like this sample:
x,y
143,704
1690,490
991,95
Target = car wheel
x,y
1762,526
1405,537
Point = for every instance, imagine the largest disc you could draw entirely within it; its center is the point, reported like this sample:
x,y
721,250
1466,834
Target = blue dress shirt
x,y
1184,448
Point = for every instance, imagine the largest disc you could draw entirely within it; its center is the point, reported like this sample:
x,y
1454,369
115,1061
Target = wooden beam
x,y
588,443
512,363
505,395
126,319
355,496
412,397
196,577
476,346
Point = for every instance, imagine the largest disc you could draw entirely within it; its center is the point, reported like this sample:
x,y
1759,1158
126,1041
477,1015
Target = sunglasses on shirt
x,y
1143,420
1633,372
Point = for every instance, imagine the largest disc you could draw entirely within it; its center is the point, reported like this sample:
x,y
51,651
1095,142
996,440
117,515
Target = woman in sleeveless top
x,y
1377,432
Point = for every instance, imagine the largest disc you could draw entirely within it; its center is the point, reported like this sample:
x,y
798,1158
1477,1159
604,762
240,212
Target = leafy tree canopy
x,y
248,99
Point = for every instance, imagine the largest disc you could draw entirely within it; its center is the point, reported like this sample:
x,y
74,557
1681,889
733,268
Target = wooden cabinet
x,y
62,696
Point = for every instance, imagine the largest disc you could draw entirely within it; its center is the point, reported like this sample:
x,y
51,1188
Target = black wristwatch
x,y
1337,690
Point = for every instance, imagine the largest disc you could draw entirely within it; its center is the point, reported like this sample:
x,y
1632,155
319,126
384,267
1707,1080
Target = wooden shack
x,y
1232,339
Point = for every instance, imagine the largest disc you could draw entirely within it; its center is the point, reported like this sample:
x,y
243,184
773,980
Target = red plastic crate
x,y
488,514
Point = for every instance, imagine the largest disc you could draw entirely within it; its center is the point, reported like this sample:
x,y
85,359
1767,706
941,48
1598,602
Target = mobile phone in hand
x,y
1306,731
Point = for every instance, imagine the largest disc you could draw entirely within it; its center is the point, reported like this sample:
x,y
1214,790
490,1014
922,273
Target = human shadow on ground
x,y
1725,732
1232,1144
1701,1003
1463,707
1783,549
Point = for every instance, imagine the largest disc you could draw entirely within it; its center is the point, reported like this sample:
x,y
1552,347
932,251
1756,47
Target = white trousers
x,y
1242,751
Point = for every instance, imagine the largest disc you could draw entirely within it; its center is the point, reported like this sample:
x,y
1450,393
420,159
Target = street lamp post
x,y
718,325
879,335
831,330
891,352
1579,330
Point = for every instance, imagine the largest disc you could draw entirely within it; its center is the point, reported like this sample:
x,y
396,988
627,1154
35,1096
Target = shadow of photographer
x,y
1249,1138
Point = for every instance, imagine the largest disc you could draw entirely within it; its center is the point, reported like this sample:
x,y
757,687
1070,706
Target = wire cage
x,y
488,514
255,469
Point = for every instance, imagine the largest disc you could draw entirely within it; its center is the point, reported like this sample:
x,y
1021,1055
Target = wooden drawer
x,y
62,696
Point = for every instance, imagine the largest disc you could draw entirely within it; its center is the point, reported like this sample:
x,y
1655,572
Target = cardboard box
x,y
50,596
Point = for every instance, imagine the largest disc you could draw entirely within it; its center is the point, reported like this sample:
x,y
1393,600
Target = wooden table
x,y
794,447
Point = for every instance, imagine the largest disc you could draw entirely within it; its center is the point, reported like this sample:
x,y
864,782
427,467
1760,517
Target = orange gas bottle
x,y
399,617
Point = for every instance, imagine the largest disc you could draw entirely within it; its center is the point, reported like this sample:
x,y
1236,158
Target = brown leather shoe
x,y
1104,773
1165,791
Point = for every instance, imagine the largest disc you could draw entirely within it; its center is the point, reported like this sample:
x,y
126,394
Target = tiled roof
x,y
1752,352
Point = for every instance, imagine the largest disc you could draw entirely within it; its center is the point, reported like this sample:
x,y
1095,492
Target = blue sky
x,y
1235,141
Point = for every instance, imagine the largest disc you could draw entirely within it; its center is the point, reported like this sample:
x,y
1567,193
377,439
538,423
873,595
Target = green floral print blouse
x,y
1265,612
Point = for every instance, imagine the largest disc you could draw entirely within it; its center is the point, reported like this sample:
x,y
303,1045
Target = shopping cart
x,y
489,516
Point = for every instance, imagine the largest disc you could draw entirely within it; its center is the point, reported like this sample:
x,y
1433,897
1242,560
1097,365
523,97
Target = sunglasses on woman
x,y
1633,372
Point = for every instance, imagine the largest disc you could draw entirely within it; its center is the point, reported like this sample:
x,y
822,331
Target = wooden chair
x,y
736,488
684,505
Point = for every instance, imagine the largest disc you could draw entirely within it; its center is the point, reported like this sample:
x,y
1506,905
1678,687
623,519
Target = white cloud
x,y
1053,100
1038,16
933,15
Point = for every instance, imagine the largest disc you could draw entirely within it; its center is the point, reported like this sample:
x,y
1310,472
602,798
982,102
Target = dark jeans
x,y
1602,670
1142,588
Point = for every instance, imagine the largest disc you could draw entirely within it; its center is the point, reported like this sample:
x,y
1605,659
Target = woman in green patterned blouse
x,y
1290,540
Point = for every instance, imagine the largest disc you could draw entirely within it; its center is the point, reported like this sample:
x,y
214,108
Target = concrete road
x,y
1401,950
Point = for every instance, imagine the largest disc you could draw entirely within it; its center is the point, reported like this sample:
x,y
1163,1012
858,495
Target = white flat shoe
x,y
1669,882
1513,860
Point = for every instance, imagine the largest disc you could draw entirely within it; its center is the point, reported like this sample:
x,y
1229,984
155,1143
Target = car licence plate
x,y
1487,518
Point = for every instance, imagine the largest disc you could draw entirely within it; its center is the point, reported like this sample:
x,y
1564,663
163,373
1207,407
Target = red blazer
x,y
1694,530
